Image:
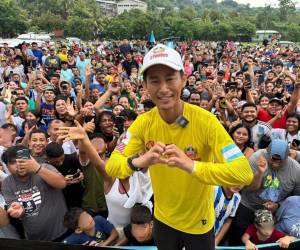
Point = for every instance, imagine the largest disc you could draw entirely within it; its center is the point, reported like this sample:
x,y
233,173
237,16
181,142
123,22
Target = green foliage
x,y
12,18
193,19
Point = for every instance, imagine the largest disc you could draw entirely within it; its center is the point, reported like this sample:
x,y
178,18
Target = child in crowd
x,y
263,232
140,231
91,231
227,200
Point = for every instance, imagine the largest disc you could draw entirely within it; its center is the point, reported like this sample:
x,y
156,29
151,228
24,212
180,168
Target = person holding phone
x,y
33,194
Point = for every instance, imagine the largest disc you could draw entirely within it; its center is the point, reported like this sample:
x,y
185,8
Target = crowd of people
x,y
65,110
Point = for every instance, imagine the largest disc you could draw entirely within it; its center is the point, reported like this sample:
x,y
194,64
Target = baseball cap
x,y
263,216
221,73
49,87
275,99
186,93
278,149
161,54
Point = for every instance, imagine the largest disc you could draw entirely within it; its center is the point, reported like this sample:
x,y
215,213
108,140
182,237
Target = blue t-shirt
x,y
48,112
103,228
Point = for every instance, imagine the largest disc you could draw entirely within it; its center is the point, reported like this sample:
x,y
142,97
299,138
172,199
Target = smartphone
x,y
260,79
77,174
222,102
247,78
119,123
296,142
23,154
31,123
140,107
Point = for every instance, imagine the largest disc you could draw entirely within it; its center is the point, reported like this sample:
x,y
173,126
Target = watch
x,y
131,165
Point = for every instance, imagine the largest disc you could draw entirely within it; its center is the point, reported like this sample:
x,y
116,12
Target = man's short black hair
x,y
37,131
129,114
10,154
278,63
140,214
96,136
10,126
54,150
71,218
246,105
21,98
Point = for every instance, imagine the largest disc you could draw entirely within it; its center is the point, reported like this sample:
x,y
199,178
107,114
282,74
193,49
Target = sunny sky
x,y
261,3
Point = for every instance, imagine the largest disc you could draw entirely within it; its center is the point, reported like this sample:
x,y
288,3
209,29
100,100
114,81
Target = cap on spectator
x,y
81,53
49,88
275,99
265,62
186,93
221,73
241,103
161,54
263,216
52,49
278,149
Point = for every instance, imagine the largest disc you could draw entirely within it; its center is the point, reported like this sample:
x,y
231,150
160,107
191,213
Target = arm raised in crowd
x,y
102,100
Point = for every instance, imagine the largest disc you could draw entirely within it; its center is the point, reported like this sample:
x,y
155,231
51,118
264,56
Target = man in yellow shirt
x,y
186,150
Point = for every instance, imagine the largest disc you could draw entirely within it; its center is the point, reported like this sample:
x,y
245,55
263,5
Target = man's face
x,y
142,232
85,222
249,114
287,81
52,52
195,99
273,108
278,69
6,137
16,78
164,86
64,66
37,143
76,72
129,57
100,78
204,104
54,129
124,102
56,162
21,105
49,96
20,93
34,47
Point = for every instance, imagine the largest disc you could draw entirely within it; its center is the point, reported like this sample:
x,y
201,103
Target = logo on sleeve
x,y
231,152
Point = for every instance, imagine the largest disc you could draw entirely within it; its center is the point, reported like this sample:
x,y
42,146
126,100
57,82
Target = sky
x,y
261,3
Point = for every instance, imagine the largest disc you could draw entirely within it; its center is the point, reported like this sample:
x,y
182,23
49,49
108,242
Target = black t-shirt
x,y
132,241
73,193
128,65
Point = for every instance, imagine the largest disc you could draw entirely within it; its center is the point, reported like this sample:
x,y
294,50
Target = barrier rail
x,y
9,244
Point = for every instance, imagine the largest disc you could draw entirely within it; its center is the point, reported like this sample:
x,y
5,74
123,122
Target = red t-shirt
x,y
276,235
264,116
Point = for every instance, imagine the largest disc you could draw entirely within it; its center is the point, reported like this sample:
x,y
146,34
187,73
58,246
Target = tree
x,y
13,19
286,7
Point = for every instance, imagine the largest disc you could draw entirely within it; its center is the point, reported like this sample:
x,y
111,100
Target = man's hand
x,y
250,246
285,241
153,156
15,210
27,166
90,126
271,206
72,133
177,158
262,165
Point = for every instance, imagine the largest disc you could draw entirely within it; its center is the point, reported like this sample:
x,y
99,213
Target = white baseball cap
x,y
161,54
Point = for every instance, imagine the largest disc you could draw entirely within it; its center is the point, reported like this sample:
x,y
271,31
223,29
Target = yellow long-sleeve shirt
x,y
185,201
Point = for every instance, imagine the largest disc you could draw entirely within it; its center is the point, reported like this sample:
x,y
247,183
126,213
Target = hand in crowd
x,y
285,241
250,246
72,133
262,165
15,210
271,206
27,166
70,108
89,127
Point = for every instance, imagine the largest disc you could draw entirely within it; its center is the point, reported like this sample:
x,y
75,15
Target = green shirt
x,y
93,197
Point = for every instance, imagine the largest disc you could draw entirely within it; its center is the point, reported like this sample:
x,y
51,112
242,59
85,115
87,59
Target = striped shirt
x,y
224,208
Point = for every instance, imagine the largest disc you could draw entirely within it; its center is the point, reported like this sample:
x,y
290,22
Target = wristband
x,y
39,169
131,165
